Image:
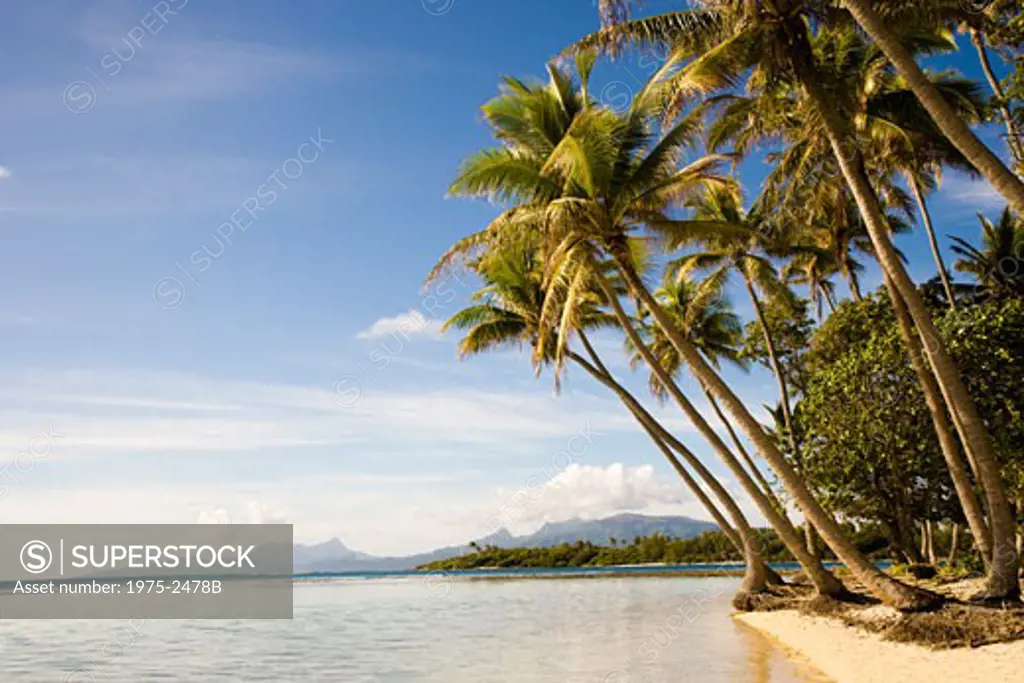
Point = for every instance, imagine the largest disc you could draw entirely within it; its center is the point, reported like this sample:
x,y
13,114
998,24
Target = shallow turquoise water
x,y
433,628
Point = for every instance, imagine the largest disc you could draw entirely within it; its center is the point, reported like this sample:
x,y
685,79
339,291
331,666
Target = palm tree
x,y
508,311
980,21
726,40
704,313
1014,140
745,250
909,142
836,228
897,135
823,581
614,174
609,189
813,267
997,265
945,116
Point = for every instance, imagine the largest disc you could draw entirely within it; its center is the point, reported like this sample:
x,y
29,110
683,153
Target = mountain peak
x,y
333,555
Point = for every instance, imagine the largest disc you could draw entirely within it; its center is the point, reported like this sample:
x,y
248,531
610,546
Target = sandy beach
x,y
850,655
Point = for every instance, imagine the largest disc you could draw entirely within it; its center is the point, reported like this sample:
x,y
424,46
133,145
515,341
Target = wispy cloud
x,y
125,57
103,186
121,411
8,318
406,325
978,195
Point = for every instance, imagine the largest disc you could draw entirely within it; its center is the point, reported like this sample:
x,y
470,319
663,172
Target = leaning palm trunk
x,y
755,579
943,429
1013,137
755,470
823,581
665,442
946,118
780,378
830,301
886,588
854,287
1003,580
787,413
926,218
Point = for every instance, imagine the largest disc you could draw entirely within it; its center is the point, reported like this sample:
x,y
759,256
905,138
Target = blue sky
x,y
217,218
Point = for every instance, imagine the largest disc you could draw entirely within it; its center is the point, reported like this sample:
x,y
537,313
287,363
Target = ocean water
x,y
433,628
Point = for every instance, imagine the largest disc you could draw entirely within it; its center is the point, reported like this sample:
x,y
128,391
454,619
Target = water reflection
x,y
606,630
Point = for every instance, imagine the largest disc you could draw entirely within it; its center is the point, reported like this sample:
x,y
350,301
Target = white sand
x,y
850,655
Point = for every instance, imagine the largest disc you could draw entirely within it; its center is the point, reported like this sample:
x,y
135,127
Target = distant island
x,y
708,548
334,556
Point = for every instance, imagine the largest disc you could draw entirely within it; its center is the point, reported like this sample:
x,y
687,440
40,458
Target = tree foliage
x,y
872,450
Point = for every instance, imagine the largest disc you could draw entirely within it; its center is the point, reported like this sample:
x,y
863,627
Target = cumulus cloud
x,y
406,325
4,172
593,492
256,512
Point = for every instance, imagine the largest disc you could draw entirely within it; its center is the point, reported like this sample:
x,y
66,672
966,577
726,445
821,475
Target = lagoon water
x,y
434,628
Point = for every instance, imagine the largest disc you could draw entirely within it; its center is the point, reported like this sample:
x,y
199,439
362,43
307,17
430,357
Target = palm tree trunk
x,y
830,301
905,537
886,588
854,287
943,428
787,414
1002,580
662,436
929,534
946,118
954,543
926,218
780,378
765,486
823,581
1013,137
755,579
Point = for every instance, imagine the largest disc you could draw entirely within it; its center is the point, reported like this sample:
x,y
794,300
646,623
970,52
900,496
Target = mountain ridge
x,y
334,556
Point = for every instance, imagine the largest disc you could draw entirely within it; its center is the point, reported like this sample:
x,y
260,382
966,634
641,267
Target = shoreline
x,y
654,570
848,654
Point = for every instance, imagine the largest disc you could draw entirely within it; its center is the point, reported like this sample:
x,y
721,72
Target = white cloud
x,y
379,514
121,411
96,185
592,492
406,325
979,195
4,172
16,319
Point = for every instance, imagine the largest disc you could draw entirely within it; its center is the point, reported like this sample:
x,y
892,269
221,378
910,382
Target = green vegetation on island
x,y
708,548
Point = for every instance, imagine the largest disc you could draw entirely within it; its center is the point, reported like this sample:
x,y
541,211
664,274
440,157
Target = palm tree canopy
x,y
996,265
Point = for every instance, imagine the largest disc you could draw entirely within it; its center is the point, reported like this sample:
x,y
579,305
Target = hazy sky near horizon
x,y
217,218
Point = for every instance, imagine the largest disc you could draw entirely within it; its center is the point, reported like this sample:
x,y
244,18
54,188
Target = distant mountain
x,y
334,556
623,527
328,551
